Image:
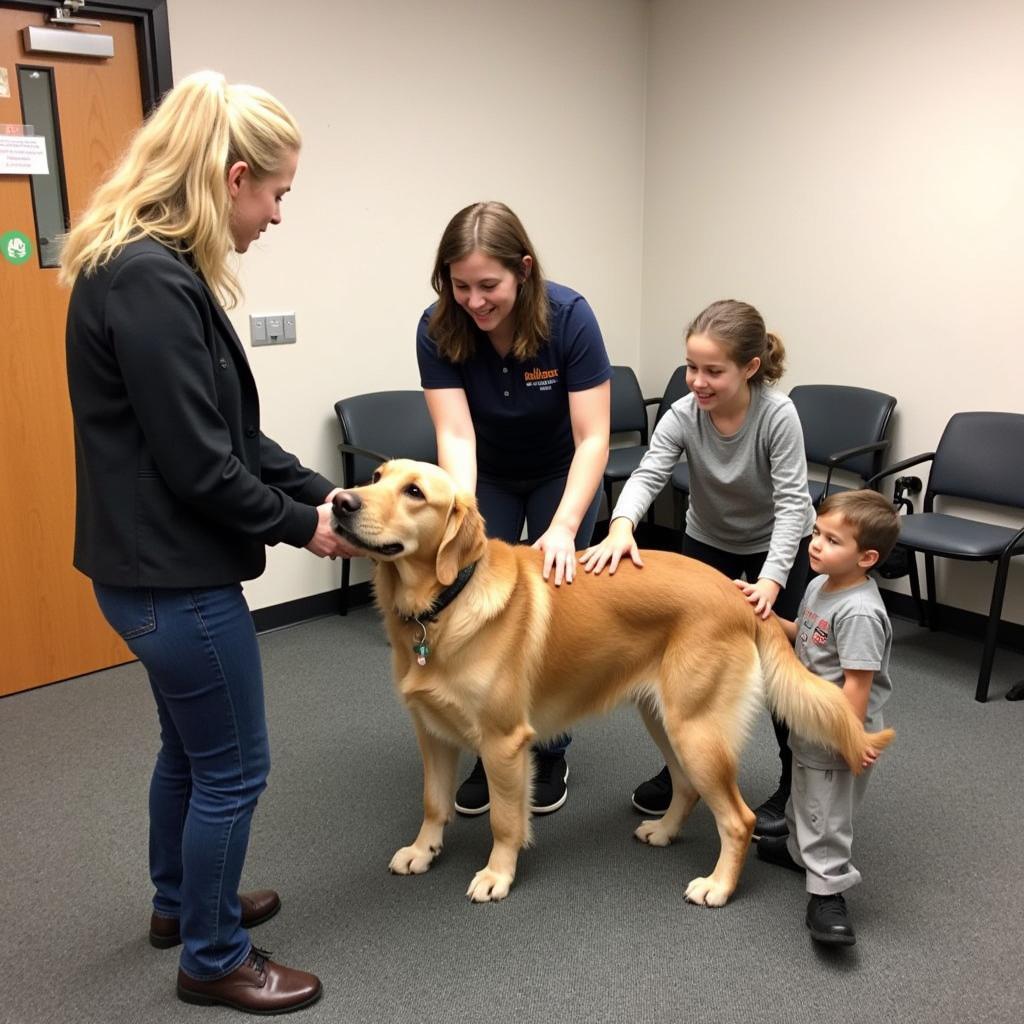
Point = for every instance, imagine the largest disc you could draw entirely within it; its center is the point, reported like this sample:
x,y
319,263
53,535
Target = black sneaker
x,y
473,797
829,920
771,815
654,795
775,850
549,777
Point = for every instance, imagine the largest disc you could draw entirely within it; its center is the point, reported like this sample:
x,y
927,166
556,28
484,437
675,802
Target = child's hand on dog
x,y
609,552
870,757
761,595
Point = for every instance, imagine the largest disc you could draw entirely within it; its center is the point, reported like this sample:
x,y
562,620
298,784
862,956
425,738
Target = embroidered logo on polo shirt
x,y
542,379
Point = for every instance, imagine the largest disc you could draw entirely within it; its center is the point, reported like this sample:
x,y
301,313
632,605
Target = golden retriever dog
x,y
513,659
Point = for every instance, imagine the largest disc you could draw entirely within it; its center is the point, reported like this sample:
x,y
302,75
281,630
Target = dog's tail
x,y
810,705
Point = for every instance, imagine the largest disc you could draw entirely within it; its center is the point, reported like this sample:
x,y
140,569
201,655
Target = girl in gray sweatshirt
x,y
749,512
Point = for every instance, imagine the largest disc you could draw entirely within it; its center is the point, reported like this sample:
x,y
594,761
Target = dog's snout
x,y
345,503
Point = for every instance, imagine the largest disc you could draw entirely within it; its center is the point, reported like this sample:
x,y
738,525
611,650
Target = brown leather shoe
x,y
257,907
257,986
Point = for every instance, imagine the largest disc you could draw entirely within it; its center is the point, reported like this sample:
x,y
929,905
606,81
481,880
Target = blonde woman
x,y
179,492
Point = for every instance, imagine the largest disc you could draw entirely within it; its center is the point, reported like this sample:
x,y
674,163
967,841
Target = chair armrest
x,y
652,401
896,467
838,458
848,453
353,449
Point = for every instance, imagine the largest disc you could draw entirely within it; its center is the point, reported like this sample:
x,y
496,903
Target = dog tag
x,y
421,651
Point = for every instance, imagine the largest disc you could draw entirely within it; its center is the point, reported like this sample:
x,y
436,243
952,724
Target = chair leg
x,y
346,571
929,580
992,630
915,585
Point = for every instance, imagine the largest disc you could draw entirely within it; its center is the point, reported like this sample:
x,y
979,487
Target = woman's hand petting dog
x,y
559,546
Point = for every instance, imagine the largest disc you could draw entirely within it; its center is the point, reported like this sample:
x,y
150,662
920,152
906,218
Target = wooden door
x,y
50,626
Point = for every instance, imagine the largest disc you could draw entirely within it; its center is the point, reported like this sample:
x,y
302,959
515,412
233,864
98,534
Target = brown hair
x,y
493,229
740,330
871,516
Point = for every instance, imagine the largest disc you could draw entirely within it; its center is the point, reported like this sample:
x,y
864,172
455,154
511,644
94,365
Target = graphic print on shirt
x,y
814,628
541,379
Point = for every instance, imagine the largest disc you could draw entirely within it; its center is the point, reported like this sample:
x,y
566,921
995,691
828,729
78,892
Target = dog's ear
x,y
464,539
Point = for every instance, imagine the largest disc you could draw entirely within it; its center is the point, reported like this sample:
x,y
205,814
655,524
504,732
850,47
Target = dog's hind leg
x,y
710,762
440,761
661,831
508,765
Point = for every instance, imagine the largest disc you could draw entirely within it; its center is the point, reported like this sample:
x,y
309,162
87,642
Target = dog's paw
x,y
653,833
489,886
412,860
707,892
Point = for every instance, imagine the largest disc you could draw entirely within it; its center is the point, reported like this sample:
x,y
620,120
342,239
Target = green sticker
x,y
16,248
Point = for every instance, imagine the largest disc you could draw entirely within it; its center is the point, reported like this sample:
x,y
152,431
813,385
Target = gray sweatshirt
x,y
748,492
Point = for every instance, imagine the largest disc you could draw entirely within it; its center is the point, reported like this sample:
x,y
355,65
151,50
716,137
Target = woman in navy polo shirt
x,y
517,382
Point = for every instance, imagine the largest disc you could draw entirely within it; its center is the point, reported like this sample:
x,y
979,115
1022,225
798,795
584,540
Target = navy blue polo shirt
x,y
520,410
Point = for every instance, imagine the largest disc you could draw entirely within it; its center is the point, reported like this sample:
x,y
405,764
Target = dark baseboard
x,y
304,609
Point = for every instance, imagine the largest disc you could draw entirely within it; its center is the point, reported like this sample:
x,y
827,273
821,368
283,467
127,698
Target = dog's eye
x,y
413,491
376,477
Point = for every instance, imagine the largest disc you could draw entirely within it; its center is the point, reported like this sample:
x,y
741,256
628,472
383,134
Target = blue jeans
x,y
506,505
199,648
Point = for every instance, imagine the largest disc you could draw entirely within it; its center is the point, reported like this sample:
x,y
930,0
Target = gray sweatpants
x,y
820,813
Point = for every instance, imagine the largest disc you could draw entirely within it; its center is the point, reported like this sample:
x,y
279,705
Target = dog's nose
x,y
345,503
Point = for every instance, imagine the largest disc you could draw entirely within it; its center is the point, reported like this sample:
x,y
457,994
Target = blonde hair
x,y
171,183
740,330
493,229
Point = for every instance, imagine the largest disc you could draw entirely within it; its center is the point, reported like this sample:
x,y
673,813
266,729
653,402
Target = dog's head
x,y
412,509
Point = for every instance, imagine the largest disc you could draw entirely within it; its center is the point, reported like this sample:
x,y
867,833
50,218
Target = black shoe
x,y
774,850
654,795
473,797
549,777
771,815
829,920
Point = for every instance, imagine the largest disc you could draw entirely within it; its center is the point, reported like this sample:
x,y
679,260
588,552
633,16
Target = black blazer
x,y
177,486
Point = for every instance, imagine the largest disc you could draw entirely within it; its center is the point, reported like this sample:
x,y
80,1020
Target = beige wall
x,y
857,172
410,111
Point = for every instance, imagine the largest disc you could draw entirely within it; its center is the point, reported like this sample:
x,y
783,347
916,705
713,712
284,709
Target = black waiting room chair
x,y
979,458
629,414
374,428
844,428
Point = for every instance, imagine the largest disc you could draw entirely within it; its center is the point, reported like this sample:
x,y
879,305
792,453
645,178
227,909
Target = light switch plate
x,y
272,329
258,330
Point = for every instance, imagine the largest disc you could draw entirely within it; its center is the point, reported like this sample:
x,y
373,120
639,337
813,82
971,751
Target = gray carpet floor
x,y
596,928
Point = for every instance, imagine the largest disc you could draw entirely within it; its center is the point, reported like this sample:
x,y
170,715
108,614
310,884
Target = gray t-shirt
x,y
844,629
748,491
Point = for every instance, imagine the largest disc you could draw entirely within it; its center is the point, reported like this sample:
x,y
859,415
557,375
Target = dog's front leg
x,y
440,760
508,765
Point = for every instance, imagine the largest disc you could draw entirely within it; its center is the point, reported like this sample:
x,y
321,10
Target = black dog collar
x,y
445,598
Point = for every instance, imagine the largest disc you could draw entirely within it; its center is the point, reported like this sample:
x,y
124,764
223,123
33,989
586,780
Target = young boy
x,y
842,634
